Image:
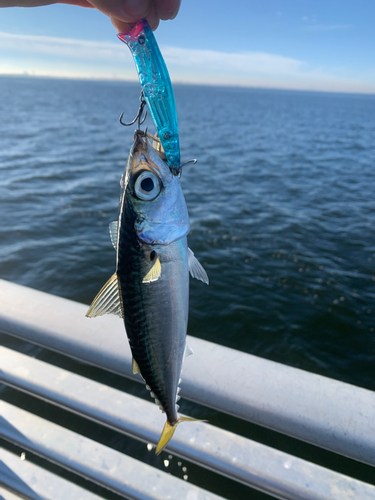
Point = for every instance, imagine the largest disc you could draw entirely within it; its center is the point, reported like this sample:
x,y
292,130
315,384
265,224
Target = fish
x,y
156,87
150,287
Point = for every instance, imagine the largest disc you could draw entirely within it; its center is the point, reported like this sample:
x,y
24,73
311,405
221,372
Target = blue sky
x,y
293,44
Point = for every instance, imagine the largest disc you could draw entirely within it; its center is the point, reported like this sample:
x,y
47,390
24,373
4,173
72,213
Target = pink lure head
x,y
137,32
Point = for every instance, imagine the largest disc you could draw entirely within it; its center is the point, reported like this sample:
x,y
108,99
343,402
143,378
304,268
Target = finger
x,y
38,3
167,9
80,3
127,11
122,27
153,19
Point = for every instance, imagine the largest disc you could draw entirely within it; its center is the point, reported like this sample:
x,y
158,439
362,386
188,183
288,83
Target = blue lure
x,y
157,88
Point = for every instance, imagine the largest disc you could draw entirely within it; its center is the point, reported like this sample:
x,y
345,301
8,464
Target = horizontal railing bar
x,y
6,494
35,483
236,457
97,463
327,413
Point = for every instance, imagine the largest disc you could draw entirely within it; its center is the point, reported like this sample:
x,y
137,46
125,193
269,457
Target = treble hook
x,y
177,170
139,116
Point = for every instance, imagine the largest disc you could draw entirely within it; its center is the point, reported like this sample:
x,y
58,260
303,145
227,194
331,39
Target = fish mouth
x,y
139,143
143,140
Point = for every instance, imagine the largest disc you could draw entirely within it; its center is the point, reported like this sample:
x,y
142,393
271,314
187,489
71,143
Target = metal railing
x,y
327,413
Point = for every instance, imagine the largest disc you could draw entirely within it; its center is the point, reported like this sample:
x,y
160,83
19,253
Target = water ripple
x,y
281,205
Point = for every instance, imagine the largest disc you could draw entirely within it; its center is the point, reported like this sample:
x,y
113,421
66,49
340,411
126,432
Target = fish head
x,y
156,196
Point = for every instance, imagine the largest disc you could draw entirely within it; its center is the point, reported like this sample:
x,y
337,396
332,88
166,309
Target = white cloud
x,y
245,63
60,47
64,57
52,56
258,69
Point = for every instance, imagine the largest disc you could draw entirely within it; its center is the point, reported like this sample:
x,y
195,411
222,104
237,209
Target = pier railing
x,y
326,413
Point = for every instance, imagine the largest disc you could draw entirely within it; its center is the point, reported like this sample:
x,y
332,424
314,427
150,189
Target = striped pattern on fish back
x,y
139,304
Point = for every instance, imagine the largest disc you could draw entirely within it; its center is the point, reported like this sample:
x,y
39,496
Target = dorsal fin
x,y
107,301
113,228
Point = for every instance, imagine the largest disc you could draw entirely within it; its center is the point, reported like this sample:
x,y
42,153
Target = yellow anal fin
x,y
135,367
154,273
168,432
107,301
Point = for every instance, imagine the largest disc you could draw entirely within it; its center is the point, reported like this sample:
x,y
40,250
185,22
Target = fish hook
x,y
139,116
177,171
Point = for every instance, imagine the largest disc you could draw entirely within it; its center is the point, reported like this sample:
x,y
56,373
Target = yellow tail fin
x,y
168,432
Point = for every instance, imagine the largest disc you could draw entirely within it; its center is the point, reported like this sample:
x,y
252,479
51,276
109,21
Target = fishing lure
x,y
156,87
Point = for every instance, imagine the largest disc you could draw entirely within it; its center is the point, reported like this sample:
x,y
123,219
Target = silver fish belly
x,y
150,288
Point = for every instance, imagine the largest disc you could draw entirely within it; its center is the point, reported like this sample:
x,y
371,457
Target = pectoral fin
x,y
107,301
154,273
188,350
196,269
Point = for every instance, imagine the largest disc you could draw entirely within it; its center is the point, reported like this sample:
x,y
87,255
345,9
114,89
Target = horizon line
x,y
181,82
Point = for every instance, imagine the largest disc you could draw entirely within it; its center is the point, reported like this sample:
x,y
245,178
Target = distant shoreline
x,y
184,83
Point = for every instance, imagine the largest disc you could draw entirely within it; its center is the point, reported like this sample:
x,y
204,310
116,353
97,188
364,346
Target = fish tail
x,y
168,432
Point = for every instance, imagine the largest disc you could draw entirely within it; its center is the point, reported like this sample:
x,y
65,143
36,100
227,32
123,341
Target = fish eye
x,y
147,186
141,39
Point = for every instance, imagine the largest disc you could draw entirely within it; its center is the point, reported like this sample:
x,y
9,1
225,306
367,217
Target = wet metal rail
x,y
327,413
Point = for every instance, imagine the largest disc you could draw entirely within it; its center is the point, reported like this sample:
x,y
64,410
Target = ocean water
x,y
281,203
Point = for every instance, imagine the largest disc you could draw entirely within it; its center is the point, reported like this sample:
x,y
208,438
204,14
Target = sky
x,y
289,44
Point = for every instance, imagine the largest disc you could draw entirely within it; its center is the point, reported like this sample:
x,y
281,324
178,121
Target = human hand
x,y
123,13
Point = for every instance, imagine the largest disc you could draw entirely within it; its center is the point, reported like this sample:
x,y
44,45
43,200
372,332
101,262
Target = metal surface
x,y
9,495
330,414
32,482
93,461
241,459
